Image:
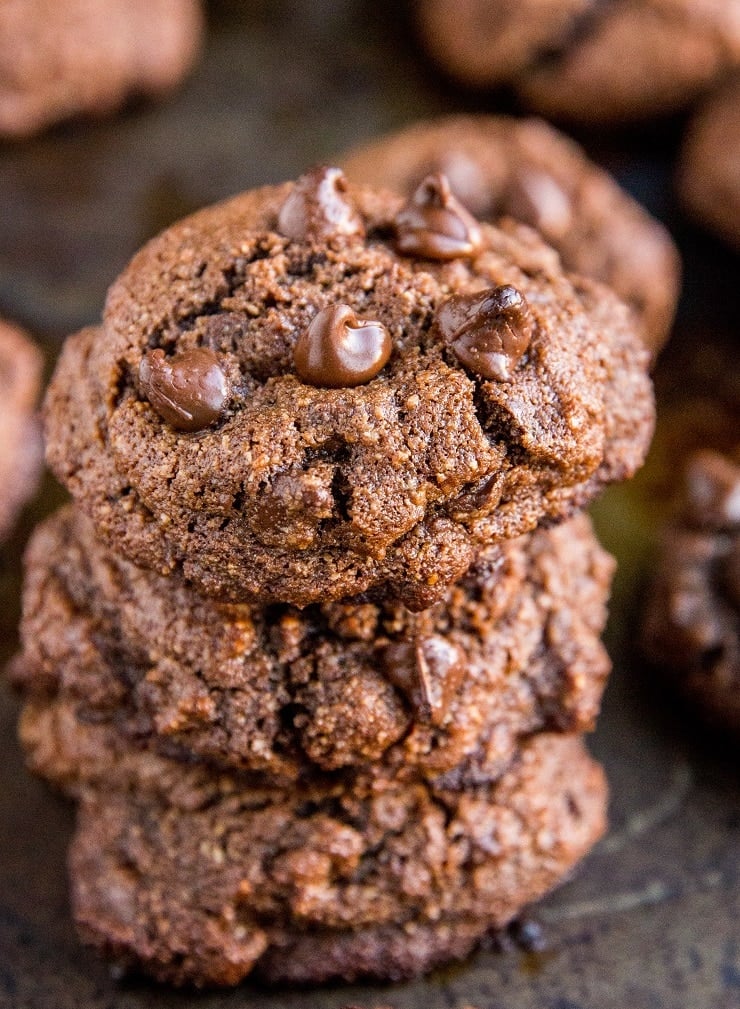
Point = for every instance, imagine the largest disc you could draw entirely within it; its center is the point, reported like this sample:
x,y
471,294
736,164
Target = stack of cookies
x,y
314,647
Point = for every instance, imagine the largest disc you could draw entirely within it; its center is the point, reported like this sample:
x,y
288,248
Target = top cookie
x,y
523,168
588,60
315,389
61,58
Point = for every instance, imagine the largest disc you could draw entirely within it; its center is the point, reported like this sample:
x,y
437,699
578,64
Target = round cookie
x,y
513,648
499,166
62,58
21,451
709,174
587,60
692,621
189,429
201,878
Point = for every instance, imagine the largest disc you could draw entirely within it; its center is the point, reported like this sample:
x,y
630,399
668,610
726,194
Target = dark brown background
x,y
653,920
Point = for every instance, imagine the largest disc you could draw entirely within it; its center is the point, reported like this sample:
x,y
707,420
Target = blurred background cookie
x,y
586,60
709,170
21,453
63,58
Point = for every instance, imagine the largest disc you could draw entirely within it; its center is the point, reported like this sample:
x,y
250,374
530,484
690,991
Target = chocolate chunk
x,y
188,390
434,224
317,208
339,350
535,198
467,180
489,331
712,491
428,672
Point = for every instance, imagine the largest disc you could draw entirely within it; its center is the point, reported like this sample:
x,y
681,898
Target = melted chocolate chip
x,y
317,208
435,225
428,671
189,390
339,350
712,491
489,331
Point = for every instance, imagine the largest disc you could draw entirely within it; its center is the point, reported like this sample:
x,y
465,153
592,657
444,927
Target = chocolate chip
x,y
535,198
340,350
188,390
428,672
434,224
712,491
489,331
317,208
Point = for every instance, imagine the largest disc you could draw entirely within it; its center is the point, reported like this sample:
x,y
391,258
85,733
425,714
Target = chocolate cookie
x,y
512,649
692,622
316,389
709,180
203,878
523,168
588,60
21,452
62,58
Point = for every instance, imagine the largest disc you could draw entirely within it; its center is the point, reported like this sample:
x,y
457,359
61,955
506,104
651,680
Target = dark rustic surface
x,y
653,920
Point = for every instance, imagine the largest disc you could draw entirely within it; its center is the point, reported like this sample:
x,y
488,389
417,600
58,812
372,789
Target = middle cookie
x,y
512,649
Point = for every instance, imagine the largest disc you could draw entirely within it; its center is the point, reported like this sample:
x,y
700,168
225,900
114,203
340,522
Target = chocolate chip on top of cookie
x,y
383,388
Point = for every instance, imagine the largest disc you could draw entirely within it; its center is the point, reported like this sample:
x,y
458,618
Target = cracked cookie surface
x,y
303,493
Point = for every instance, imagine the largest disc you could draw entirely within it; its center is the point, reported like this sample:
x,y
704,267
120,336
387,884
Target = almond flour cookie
x,y
588,60
709,176
692,621
21,452
498,166
62,58
203,878
512,649
316,389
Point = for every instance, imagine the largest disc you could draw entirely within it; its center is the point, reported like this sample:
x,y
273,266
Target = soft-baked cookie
x,y
513,648
62,58
523,168
21,451
202,878
316,389
692,620
709,173
589,60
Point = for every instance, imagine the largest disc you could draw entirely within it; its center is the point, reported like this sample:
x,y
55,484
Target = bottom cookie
x,y
200,877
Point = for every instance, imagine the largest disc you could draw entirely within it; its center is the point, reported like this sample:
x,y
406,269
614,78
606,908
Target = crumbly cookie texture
x,y
692,620
587,60
513,648
21,451
199,877
499,166
708,178
512,395
63,58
